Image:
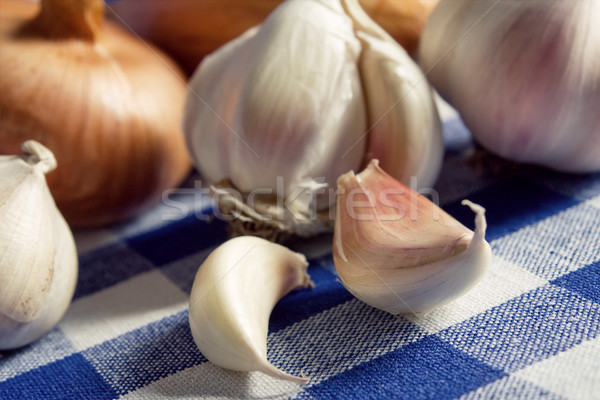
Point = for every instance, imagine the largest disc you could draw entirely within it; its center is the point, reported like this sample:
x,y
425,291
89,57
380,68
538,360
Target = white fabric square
x,y
122,308
574,373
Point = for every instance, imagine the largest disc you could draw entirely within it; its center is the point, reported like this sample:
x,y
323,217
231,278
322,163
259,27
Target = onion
x,y
107,105
189,30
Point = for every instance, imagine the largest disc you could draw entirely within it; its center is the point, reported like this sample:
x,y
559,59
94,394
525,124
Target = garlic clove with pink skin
x,y
405,132
524,76
397,251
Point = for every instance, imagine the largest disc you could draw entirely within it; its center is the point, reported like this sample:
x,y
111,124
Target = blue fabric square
x,y
584,281
179,239
427,369
69,378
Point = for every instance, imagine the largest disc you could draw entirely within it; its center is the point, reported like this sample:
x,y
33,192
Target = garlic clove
x,y
38,258
232,297
397,251
405,131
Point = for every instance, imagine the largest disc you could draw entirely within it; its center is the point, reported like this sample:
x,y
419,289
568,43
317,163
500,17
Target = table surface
x,y
529,329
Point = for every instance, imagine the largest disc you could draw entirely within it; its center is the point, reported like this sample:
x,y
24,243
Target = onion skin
x,y
108,107
189,30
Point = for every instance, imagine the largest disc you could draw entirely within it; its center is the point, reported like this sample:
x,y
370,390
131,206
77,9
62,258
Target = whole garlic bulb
x,y
108,106
524,75
283,110
38,259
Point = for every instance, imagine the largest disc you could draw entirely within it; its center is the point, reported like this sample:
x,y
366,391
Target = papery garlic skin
x,y
38,258
397,251
232,297
524,76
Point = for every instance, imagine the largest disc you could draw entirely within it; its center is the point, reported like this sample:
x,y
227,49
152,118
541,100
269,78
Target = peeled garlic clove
x,y
281,109
38,259
523,75
405,131
397,251
232,297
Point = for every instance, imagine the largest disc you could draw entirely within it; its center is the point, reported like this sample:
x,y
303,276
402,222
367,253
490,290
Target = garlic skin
x,y
38,258
524,76
397,251
106,104
232,297
285,119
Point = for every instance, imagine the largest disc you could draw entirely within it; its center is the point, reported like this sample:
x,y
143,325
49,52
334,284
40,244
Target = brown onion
x,y
189,30
106,104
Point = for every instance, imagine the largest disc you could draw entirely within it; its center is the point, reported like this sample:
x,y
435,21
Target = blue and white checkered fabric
x,y
530,329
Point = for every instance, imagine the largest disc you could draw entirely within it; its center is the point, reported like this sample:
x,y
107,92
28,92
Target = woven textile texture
x,y
530,329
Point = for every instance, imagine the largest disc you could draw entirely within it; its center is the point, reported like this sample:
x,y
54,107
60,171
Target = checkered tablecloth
x,y
530,329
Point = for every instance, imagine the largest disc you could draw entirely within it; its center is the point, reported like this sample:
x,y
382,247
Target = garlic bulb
x,y
524,76
232,297
189,30
38,259
274,117
108,106
397,251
